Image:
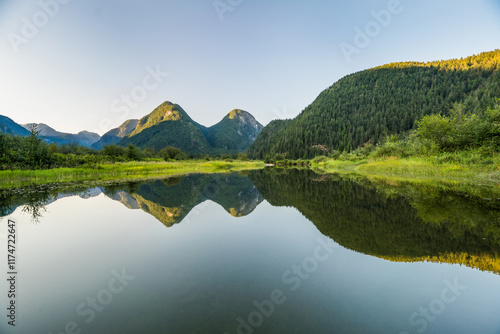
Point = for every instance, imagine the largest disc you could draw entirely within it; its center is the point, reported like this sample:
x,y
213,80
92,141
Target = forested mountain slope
x,y
369,105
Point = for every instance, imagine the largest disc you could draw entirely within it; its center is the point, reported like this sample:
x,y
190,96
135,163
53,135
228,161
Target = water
x,y
265,252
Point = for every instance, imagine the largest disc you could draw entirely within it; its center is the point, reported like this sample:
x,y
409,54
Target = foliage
x,y
459,132
372,104
172,153
121,171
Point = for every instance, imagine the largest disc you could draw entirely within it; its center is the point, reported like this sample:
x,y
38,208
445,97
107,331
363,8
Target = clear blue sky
x,y
271,58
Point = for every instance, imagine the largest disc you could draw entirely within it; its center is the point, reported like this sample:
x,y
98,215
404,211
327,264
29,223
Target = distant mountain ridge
x,y
8,126
84,138
167,125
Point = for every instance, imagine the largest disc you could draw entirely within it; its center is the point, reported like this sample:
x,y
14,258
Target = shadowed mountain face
x,y
113,136
8,126
419,225
50,135
236,132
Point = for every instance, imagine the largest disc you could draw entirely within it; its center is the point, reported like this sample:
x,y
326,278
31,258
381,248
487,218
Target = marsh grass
x,y
121,171
475,179
430,170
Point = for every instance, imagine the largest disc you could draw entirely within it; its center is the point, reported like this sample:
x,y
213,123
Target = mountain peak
x,y
236,131
236,113
244,118
167,111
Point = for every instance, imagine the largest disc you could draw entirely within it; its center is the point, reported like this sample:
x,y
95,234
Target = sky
x,y
90,65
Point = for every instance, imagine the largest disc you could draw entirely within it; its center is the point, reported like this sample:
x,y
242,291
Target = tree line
x,y
368,106
33,152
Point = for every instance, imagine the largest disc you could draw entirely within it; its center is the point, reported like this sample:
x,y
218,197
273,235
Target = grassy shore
x,y
416,170
122,171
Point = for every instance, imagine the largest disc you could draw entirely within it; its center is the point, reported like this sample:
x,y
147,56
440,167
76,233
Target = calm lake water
x,y
260,252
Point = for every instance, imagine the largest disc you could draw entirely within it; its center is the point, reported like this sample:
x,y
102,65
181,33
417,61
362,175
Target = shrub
x,y
172,153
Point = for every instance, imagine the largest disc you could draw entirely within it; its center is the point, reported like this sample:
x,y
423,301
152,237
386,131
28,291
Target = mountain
x,y
369,105
264,144
167,125
236,132
50,135
170,125
8,126
115,135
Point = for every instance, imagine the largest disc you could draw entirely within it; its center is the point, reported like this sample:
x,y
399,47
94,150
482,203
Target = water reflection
x,y
394,222
206,270
171,200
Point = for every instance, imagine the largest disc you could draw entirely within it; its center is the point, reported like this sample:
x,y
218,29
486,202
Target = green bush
x,y
172,153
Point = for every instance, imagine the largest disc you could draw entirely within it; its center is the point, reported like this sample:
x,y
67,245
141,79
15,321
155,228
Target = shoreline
x,y
126,171
420,171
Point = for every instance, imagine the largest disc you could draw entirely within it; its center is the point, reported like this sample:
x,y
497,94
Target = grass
x,y
121,171
427,169
332,165
482,180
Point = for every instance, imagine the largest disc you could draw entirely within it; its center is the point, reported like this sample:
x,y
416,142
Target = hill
x,y
369,105
8,126
50,135
115,135
236,132
170,125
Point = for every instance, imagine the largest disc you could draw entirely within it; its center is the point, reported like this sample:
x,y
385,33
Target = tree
x,y
36,150
113,151
133,152
435,128
172,153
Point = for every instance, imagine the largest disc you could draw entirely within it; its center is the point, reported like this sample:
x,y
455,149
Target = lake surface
x,y
272,251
